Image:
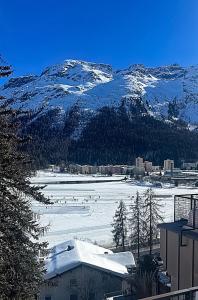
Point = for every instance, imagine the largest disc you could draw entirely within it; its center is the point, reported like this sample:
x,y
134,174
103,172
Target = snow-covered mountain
x,y
161,90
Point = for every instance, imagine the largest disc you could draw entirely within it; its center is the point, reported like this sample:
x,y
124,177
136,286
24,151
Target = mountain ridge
x,y
95,85
95,114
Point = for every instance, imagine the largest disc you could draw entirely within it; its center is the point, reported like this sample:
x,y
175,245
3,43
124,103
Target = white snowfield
x,y
100,200
94,85
71,254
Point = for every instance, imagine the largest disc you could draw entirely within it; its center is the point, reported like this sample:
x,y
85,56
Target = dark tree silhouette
x,y
136,223
20,269
152,217
120,226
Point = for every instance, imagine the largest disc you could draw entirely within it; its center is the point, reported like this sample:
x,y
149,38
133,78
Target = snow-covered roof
x,y
70,254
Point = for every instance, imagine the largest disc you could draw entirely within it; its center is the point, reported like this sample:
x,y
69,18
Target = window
x,y
73,282
48,298
73,297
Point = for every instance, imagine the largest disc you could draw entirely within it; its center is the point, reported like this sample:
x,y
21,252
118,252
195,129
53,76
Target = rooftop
x,y
181,227
71,254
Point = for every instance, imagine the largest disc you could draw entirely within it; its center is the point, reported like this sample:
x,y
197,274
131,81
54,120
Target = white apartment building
x,y
139,162
168,164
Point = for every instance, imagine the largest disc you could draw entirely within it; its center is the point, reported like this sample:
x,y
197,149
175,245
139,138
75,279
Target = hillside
x,y
95,114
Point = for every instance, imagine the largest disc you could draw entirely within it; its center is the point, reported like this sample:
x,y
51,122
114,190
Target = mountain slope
x,y
92,86
94,114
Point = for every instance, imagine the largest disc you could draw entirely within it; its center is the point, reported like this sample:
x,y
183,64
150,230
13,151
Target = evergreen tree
x,y
20,270
152,217
145,279
120,226
136,223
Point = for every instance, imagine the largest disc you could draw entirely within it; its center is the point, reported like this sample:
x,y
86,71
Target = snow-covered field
x,y
86,210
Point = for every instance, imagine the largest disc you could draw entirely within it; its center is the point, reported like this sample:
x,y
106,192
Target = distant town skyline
x,y
152,32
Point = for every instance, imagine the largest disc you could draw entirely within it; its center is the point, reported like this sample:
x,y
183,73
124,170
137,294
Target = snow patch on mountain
x,y
92,86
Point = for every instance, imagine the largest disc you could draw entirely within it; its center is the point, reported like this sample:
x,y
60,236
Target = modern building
x,y
190,165
79,270
179,243
168,165
148,166
139,162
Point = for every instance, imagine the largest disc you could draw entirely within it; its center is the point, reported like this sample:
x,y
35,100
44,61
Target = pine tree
x,y
136,223
120,226
20,270
152,217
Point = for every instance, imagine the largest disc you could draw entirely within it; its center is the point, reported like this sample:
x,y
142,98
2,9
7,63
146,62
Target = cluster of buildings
x,y
147,166
89,169
139,168
190,165
142,166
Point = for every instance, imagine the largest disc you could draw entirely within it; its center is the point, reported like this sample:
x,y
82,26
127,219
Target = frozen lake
x,y
86,210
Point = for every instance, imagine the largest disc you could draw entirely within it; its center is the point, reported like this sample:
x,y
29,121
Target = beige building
x,y
78,270
168,165
179,244
139,162
148,166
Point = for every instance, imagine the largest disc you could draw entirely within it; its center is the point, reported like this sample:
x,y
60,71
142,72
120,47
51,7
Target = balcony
x,y
186,294
186,207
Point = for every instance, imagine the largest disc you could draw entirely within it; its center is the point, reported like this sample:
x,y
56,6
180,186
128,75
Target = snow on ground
x,y
100,200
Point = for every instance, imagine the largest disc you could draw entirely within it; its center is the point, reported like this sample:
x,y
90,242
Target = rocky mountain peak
x,y
95,85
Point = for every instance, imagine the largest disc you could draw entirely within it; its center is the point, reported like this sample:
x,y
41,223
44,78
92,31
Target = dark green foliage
x,y
137,234
120,226
49,143
20,271
111,136
173,109
152,217
144,283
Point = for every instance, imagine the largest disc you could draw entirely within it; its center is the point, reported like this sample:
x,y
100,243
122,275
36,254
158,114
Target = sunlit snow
x,y
100,200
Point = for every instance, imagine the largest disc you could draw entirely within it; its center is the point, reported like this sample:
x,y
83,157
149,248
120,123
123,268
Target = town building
x,y
80,270
139,162
168,165
179,243
74,168
148,165
190,165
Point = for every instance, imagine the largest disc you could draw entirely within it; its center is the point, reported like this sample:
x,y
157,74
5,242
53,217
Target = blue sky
x,y
37,33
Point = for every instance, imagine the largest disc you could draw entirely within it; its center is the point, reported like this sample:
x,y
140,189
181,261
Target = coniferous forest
x,y
111,136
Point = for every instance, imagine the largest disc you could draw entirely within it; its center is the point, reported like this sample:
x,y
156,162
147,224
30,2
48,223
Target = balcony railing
x,y
186,207
186,294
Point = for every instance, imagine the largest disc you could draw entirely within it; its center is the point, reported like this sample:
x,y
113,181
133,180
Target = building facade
x,y
139,162
81,283
78,270
168,165
179,243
